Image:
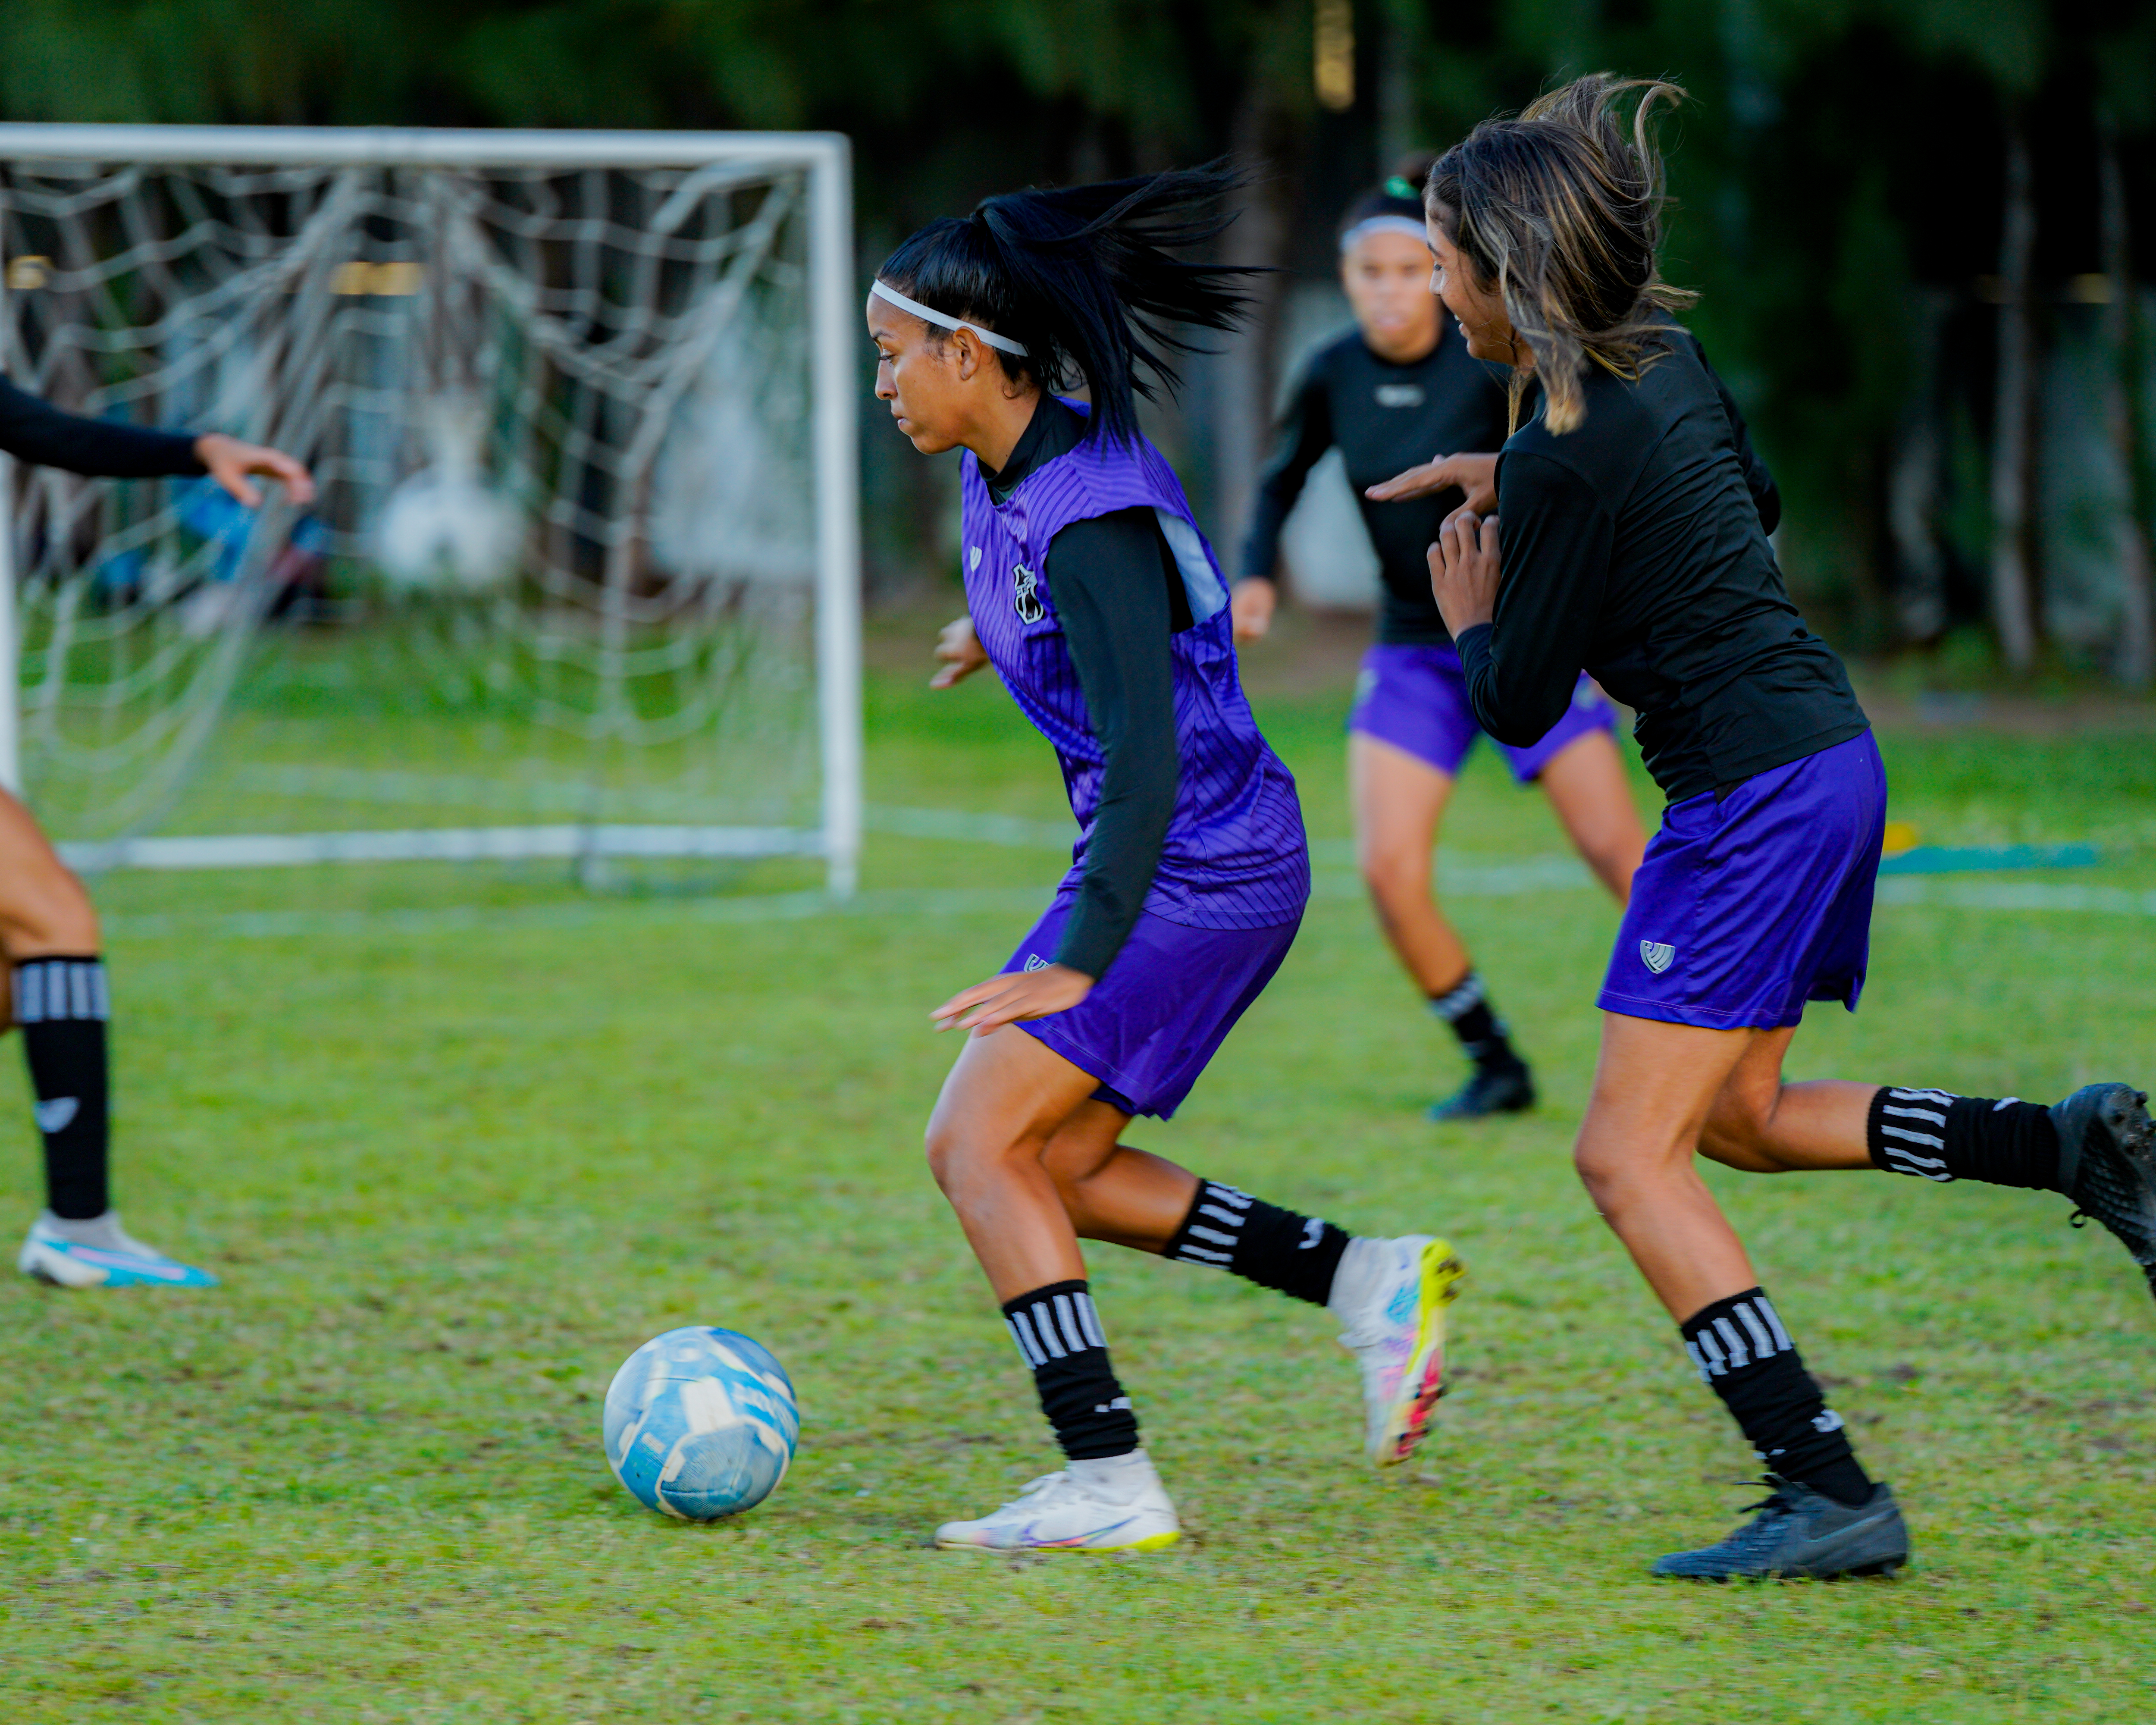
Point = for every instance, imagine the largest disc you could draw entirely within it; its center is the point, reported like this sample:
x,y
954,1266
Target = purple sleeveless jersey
x,y
1234,856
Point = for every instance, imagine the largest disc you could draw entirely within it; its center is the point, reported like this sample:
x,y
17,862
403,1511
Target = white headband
x,y
1384,225
943,320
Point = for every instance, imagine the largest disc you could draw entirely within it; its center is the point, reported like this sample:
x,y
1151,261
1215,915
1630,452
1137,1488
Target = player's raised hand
x,y
1474,475
230,461
1464,570
960,650
1016,994
1251,604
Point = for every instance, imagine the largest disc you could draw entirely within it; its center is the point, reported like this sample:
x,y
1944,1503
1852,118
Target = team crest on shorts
x,y
1025,594
1656,956
1033,961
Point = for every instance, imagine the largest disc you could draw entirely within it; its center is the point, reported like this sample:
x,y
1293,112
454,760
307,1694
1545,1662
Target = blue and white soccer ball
x,y
700,1424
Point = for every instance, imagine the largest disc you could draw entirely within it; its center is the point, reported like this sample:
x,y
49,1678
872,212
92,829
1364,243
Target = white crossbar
x,y
256,850
412,146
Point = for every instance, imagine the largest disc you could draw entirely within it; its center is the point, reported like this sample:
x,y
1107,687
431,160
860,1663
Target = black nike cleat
x,y
1508,1088
1800,1533
2108,1165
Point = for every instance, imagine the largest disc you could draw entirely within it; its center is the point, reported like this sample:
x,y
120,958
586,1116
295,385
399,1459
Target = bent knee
x,y
1738,1134
1393,874
1599,1169
961,1161
944,1150
48,910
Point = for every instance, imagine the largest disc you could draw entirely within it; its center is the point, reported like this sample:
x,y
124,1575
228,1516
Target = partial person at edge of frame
x,y
1628,504
1090,590
49,928
1387,392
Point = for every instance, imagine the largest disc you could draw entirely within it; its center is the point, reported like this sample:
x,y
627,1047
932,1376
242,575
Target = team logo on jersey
x,y
1656,956
972,558
1033,961
1400,395
1025,594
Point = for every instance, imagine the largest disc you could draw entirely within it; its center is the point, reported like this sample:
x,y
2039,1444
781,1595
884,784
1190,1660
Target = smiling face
x,y
919,377
1481,312
1387,279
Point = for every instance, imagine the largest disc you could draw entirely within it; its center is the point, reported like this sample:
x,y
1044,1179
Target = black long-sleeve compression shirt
x,y
36,431
1636,547
1119,597
1384,418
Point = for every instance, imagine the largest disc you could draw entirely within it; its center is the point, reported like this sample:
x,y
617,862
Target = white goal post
x,y
109,590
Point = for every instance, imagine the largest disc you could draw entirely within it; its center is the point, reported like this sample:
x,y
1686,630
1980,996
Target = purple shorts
x,y
1168,1001
1750,904
1415,698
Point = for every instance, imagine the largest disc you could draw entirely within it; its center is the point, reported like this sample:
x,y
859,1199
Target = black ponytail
x,y
1082,275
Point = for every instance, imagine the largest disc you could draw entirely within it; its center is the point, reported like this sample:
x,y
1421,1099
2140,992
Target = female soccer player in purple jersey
x,y
1400,387
1631,535
48,926
1093,594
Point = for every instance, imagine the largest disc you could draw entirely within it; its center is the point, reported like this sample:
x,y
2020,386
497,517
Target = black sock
x,y
1058,1334
1271,1247
1746,1356
1936,1135
1466,1008
62,1005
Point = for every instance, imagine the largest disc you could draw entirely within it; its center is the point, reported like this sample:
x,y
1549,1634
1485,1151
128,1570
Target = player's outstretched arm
x,y
232,464
958,651
1474,475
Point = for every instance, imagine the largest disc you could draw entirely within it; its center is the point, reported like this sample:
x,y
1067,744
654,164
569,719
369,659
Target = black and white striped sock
x,y
1745,1356
1935,1135
1295,1253
1059,1336
1465,1006
61,1004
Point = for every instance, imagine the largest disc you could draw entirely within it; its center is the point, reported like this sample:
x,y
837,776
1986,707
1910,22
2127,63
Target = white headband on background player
x,y
1382,224
943,320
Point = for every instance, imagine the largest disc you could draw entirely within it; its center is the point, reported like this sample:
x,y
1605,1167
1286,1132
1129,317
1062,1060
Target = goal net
x,y
582,580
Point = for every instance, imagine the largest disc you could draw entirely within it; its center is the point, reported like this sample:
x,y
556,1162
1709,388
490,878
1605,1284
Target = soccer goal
x,y
582,580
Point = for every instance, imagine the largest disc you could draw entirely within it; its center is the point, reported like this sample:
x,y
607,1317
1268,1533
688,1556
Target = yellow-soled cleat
x,y
1390,1296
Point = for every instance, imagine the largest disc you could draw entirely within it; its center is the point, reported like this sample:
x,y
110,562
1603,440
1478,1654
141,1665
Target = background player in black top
x,y
1397,388
1629,539
49,927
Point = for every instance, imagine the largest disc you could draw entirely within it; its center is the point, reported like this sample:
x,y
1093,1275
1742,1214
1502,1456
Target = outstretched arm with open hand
x,y
1474,475
234,464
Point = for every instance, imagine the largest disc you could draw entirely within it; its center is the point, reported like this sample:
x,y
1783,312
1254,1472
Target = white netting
x,y
562,575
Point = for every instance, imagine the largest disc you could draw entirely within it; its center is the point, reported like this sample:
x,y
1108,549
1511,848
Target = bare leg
x,y
43,908
1765,1127
1654,1089
1112,1192
1586,785
1398,801
1006,1097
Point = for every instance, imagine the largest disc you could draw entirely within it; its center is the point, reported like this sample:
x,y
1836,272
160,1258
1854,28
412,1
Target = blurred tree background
x,y
1919,225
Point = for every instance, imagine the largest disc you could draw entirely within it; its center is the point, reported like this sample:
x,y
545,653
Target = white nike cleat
x,y
100,1254
1115,1505
1390,1296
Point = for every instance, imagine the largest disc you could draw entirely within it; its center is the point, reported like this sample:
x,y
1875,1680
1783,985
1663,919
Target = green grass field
x,y
459,1140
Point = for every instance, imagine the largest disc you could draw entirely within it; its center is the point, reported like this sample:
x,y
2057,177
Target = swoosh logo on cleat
x,y
1026,1536
122,1261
